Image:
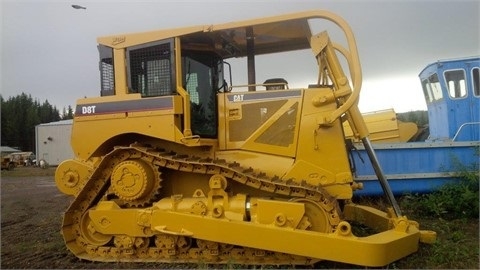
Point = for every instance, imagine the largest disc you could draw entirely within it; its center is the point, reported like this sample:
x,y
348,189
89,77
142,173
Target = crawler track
x,y
184,249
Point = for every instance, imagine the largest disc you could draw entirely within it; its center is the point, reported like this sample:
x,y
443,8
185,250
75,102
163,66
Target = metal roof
x,y
8,149
58,123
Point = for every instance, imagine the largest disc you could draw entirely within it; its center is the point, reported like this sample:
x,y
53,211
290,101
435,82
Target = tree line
x,y
418,117
20,114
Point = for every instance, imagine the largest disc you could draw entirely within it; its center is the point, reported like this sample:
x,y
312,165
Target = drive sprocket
x,y
136,182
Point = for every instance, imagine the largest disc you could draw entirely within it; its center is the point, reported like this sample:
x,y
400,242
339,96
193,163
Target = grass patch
x,y
452,211
452,201
456,246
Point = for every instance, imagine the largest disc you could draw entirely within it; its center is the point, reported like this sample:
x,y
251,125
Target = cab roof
x,y
271,34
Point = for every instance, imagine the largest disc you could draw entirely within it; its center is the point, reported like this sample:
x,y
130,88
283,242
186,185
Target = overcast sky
x,y
49,49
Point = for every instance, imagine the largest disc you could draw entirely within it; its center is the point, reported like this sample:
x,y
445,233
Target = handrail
x,y
462,126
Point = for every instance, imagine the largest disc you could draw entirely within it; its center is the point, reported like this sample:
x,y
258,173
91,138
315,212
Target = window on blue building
x,y
476,81
455,80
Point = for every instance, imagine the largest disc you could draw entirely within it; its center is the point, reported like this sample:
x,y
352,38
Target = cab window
x,y
107,75
200,79
455,80
150,69
476,81
431,88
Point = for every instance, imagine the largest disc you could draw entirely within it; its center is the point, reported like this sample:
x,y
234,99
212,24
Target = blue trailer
x,y
452,93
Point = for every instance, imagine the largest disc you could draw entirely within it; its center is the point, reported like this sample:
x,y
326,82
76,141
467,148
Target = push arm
x,y
330,70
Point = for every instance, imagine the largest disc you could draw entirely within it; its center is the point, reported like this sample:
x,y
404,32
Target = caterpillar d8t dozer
x,y
173,163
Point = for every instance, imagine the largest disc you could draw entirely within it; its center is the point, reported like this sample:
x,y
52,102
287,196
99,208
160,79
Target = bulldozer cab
x,y
190,62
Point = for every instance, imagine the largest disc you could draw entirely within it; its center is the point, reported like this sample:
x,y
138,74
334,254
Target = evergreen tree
x,y
418,117
19,116
67,113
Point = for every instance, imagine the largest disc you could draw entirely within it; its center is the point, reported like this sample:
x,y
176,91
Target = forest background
x,y
20,114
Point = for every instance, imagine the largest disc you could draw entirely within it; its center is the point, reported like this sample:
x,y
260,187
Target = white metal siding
x,y
53,142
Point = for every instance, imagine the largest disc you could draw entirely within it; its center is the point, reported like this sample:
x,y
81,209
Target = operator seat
x,y
276,84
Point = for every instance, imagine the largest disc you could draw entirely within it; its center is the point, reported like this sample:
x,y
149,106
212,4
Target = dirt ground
x,y
30,217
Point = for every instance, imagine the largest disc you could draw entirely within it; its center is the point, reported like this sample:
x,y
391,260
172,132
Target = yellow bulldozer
x,y
174,163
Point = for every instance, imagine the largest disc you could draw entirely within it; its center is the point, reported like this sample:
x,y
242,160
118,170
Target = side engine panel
x,y
98,120
282,126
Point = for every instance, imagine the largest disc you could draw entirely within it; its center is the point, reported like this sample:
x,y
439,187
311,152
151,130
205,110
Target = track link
x,y
96,187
